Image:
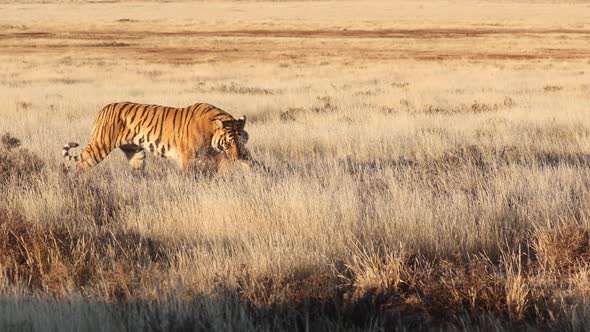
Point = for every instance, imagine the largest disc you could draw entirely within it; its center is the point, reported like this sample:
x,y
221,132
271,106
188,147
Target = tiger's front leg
x,y
187,159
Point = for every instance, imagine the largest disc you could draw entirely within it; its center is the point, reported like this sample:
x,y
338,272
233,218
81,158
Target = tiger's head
x,y
230,138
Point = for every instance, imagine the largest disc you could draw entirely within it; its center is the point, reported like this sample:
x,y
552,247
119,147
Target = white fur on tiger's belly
x,y
157,151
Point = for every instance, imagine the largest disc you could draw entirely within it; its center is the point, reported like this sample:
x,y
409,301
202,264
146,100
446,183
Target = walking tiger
x,y
197,131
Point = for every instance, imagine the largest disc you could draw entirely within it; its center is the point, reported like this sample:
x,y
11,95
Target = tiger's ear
x,y
219,123
242,121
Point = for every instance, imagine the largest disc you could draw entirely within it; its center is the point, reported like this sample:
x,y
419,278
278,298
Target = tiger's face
x,y
230,138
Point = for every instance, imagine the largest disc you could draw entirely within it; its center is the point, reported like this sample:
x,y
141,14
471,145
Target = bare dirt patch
x,y
306,45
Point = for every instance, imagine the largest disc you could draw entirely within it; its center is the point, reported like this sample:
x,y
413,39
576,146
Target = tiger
x,y
199,131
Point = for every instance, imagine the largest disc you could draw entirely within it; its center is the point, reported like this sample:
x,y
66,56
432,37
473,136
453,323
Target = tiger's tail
x,y
66,152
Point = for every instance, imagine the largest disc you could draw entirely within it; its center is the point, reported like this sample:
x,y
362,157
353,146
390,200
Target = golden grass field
x,y
427,166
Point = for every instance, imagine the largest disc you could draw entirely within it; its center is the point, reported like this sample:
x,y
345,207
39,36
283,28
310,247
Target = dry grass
x,y
426,171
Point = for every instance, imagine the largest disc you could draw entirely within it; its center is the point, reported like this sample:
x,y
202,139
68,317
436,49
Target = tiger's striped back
x,y
197,131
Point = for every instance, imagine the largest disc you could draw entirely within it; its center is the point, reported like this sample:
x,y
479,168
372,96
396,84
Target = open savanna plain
x,y
422,165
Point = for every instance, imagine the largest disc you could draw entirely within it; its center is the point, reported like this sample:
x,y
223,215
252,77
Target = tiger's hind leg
x,y
135,155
